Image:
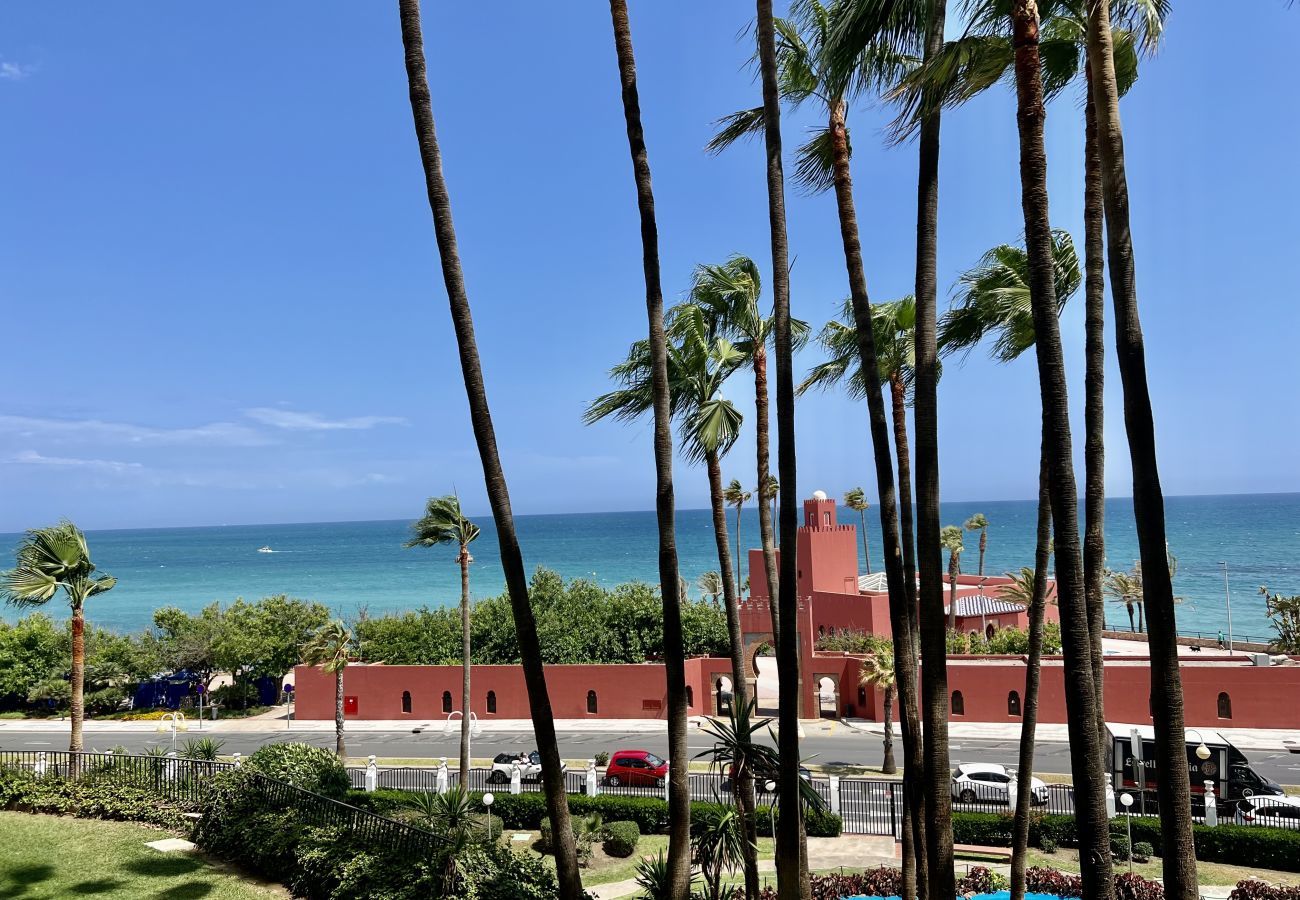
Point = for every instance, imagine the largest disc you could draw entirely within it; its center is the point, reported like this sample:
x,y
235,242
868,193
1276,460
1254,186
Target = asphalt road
x,y
841,748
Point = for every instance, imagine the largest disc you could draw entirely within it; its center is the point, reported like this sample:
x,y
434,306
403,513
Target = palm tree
x,y
443,523
878,672
1081,697
1126,587
980,523
1179,856
710,585
951,540
737,496
856,500
330,648
679,798
539,702
49,560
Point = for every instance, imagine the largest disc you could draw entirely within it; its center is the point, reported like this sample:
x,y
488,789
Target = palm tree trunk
x,y
466,696
1132,624
913,840
1142,625
792,847
740,562
984,545
952,591
1094,404
765,533
866,551
1081,700
539,702
340,749
1029,710
743,788
887,766
78,711
941,878
1173,789
679,797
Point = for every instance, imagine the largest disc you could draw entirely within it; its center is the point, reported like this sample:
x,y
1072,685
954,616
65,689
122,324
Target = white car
x,y
1280,812
530,767
990,783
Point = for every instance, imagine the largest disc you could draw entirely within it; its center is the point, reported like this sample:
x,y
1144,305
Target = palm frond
x,y
814,166
747,123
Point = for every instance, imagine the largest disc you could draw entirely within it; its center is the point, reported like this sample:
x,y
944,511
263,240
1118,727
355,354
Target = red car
x,y
636,767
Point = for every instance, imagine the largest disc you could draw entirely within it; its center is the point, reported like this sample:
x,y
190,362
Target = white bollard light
x,y
1211,805
835,794
372,775
668,778
441,784
238,758
1110,796
592,788
515,785
40,764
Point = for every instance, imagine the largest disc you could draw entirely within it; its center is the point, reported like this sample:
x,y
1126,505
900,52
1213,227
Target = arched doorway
x,y
722,695
761,661
828,697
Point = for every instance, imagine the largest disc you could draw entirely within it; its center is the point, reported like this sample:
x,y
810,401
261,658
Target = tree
x,y
679,797
980,523
710,585
1173,792
444,523
331,648
878,672
1081,697
50,560
566,861
737,496
1126,588
951,539
1284,615
856,500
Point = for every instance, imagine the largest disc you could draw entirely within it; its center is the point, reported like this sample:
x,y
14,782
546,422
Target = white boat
x,y
265,550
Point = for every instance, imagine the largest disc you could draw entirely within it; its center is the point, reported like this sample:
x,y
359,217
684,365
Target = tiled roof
x,y
875,582
984,605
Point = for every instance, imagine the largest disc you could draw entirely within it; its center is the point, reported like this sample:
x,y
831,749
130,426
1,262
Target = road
x,y
842,747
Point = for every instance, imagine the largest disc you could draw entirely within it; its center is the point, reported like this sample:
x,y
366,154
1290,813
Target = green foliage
x,y
654,877
621,839
303,766
624,625
1284,615
1119,847
91,797
601,758
853,640
1005,642
202,748
1142,851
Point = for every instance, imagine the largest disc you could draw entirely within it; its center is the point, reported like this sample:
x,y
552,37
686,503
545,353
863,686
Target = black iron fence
x,y
178,779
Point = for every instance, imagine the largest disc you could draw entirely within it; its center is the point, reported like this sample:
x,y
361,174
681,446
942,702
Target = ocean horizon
x,y
362,565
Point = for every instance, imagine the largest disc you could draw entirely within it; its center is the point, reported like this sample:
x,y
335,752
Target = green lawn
x,y
47,857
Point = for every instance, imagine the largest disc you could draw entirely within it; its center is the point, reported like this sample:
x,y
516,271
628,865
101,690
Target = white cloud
x,y
230,434
310,421
32,458
12,71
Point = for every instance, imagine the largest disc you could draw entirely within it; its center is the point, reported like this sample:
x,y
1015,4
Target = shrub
x,y
1047,844
601,758
621,839
89,798
1119,847
1135,887
1142,851
1255,889
310,768
980,880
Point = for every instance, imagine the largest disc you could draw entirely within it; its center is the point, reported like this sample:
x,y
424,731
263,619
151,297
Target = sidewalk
x,y
274,722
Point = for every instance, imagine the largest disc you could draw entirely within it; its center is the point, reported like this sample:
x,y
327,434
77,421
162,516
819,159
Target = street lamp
x,y
474,732
288,704
770,786
1127,799
173,722
487,802
1227,596
1202,752
200,690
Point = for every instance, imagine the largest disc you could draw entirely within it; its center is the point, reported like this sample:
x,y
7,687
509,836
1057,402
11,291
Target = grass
x,y
47,857
1207,873
603,869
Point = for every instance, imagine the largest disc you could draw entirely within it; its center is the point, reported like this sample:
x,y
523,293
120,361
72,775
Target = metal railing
x,y
182,780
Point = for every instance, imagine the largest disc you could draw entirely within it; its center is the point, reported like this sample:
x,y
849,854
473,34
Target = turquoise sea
x,y
354,564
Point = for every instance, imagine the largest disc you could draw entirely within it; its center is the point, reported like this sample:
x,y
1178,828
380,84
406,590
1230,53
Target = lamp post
x,y
173,722
1227,597
473,733
1127,799
487,802
288,704
771,812
200,690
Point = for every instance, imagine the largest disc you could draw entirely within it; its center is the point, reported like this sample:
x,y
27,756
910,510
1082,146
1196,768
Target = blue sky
x,y
222,303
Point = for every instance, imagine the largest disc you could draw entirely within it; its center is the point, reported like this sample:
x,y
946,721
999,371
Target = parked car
x,y
636,768
530,767
1280,812
990,783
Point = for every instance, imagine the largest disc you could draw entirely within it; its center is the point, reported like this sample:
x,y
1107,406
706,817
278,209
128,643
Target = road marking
x,y
37,743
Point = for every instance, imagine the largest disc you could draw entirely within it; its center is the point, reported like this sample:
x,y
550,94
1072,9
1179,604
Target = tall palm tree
x,y
1179,857
1126,587
698,367
878,672
444,523
710,585
50,560
856,500
979,522
539,701
330,648
1081,697
735,495
951,540
679,798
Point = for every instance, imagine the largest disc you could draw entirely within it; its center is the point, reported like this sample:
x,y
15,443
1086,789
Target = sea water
x,y
350,565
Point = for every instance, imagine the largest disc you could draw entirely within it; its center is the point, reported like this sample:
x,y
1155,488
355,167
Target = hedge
x,y
1235,845
621,838
92,797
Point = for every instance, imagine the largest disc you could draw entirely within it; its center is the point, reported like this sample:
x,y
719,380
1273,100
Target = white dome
x,y
819,495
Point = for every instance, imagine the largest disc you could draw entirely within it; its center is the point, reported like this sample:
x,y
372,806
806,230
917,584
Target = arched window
x,y
690,696
591,702
446,701
958,704
492,701
406,701
1225,706
990,631
827,519
1013,704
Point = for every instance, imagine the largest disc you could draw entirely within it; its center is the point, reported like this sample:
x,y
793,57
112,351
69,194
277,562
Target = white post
x,y
668,782
1227,596
1110,796
372,775
1211,805
441,784
1013,786
238,758
39,769
835,794
515,786
592,789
